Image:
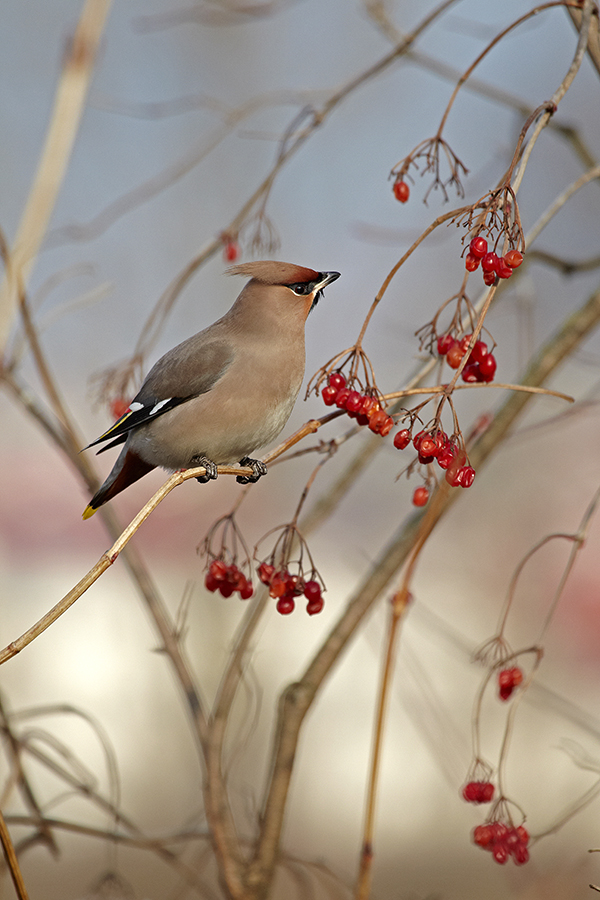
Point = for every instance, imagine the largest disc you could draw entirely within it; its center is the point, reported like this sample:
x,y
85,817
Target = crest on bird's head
x,y
272,272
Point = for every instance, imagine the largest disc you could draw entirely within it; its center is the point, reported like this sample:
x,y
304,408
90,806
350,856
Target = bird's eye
x,y
301,289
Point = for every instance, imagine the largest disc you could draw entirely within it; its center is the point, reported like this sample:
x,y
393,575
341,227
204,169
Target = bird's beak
x,y
325,278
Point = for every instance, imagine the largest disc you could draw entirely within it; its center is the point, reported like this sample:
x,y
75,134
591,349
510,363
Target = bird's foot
x,y
259,469
211,468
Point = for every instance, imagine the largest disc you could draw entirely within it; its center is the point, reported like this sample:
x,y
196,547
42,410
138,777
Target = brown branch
x,y
139,841
593,38
11,860
68,108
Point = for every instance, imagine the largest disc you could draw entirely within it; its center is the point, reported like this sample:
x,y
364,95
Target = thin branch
x,y
68,109
11,860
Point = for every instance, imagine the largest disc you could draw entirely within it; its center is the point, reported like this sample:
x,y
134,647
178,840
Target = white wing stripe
x,y
159,406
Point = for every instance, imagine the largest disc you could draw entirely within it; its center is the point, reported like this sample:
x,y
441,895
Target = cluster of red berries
x,y
227,579
365,408
444,450
478,792
503,841
481,364
285,587
491,264
508,680
401,191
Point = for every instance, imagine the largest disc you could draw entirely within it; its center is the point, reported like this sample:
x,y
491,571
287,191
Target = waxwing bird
x,y
225,392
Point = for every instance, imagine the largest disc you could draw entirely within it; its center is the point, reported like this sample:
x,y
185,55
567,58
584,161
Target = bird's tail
x,y
127,469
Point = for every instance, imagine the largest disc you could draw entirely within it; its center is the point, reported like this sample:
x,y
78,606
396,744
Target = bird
x,y
225,392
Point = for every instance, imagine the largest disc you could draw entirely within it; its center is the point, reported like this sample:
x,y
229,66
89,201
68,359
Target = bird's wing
x,y
182,374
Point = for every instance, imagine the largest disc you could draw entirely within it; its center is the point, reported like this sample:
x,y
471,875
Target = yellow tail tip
x,y
88,512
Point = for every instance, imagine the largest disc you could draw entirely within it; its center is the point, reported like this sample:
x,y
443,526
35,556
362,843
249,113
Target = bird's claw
x,y
211,468
258,468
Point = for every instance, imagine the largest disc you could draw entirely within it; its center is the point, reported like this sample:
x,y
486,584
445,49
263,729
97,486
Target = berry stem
x,y
444,217
490,46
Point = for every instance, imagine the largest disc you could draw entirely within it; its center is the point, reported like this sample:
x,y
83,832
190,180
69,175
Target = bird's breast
x,y
244,411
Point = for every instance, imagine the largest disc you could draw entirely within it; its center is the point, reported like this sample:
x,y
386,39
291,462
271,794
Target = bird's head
x,y
285,281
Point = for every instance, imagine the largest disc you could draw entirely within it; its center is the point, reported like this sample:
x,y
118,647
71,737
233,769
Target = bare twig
x,y
66,116
11,861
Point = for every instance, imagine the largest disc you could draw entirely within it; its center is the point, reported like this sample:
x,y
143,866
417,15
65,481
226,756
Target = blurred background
x,y
186,111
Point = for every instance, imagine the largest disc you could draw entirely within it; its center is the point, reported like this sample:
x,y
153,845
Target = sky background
x,y
167,78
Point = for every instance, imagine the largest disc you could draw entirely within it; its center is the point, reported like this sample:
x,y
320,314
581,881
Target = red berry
x,y
278,584
329,393
464,343
487,792
467,476
420,496
517,676
401,191
513,259
470,792
337,380
387,426
446,457
478,246
236,578
502,269
471,373
428,446
294,585
341,397
226,588
314,606
354,401
520,855
444,342
523,834
471,262
483,835
285,606
368,404
454,355
312,590
500,853
211,583
489,278
381,423
247,591
265,572
218,569
402,439
453,475
441,440
231,251
499,832
489,262
508,680
479,351
487,367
